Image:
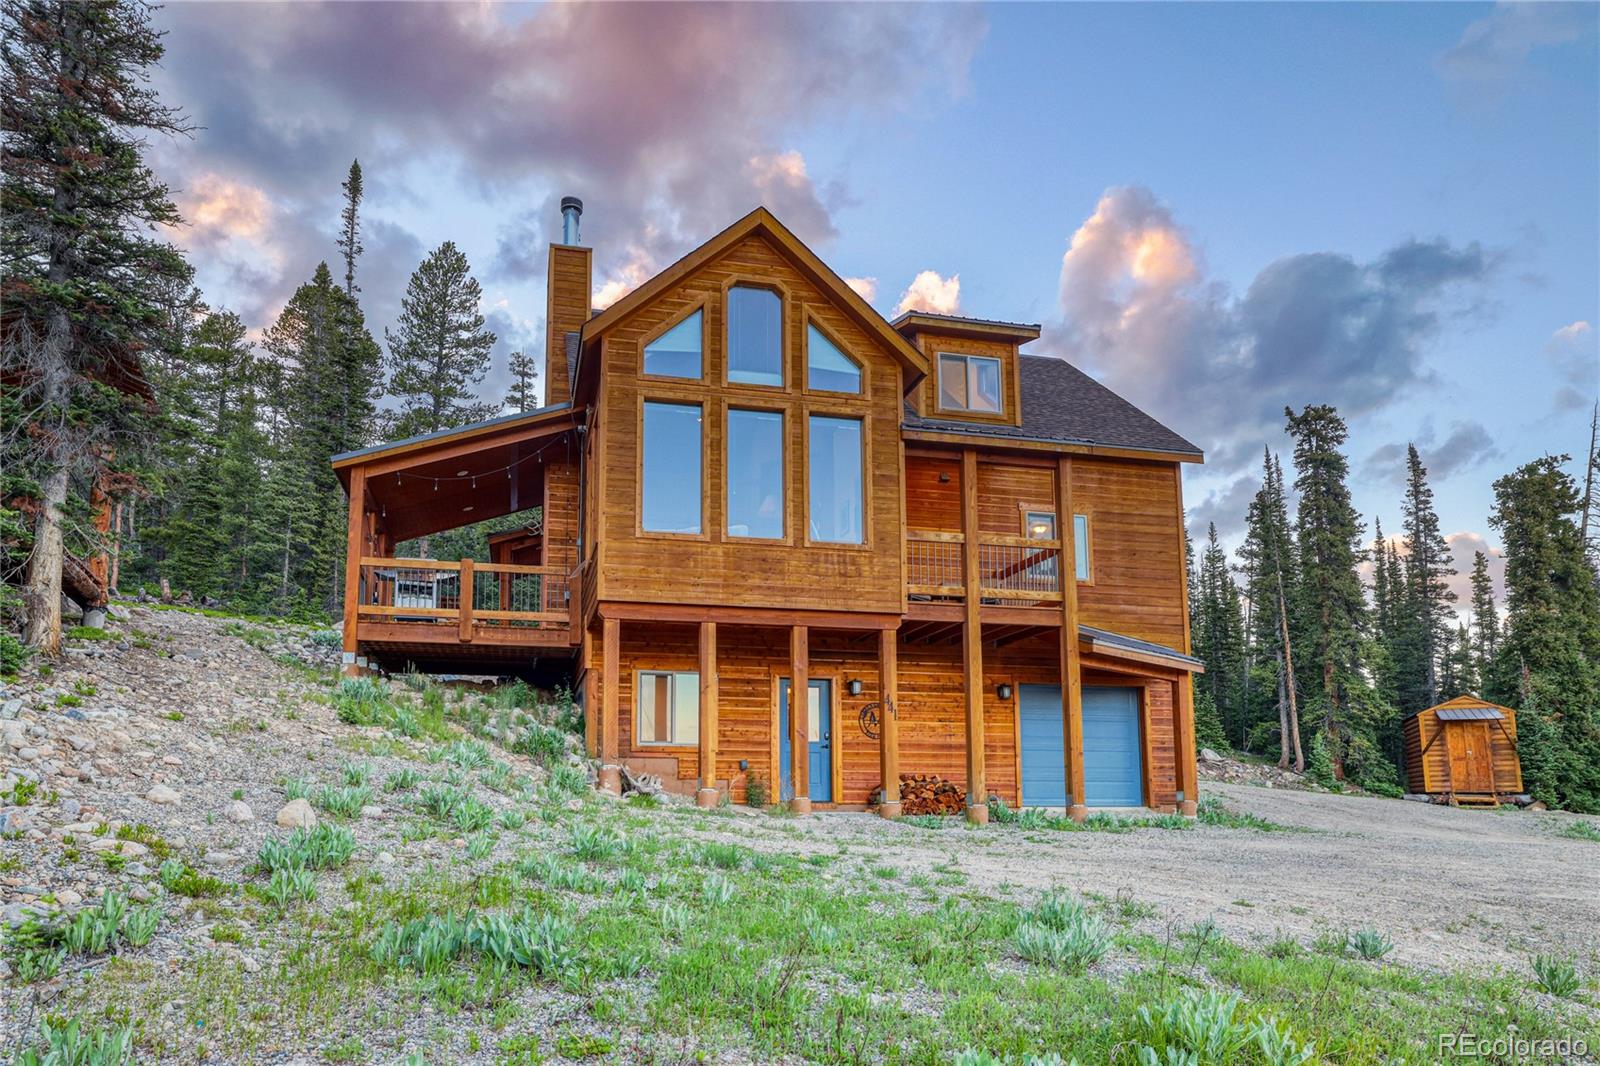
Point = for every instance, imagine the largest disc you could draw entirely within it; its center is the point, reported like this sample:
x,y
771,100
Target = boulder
x,y
239,812
162,794
297,814
1208,755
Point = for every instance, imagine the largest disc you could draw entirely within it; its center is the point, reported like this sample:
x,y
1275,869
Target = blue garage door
x,y
1044,762
1111,775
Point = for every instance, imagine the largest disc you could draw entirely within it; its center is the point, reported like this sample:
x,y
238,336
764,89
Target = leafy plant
x,y
590,841
68,1043
355,773
543,744
1556,976
402,779
1370,944
756,792
140,925
93,930
323,848
716,890
569,780
1060,932
345,802
290,883
472,814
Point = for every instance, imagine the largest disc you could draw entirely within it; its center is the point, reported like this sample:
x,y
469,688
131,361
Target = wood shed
x,y
1464,752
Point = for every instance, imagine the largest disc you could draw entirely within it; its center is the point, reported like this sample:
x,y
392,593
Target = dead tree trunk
x,y
41,589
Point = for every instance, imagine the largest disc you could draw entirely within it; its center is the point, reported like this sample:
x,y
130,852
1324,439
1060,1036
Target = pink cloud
x,y
929,291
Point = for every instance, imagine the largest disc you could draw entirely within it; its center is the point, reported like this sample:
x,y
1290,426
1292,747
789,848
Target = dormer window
x,y
969,383
755,336
676,353
827,367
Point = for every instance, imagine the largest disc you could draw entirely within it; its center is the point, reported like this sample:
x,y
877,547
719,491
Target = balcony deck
x,y
414,611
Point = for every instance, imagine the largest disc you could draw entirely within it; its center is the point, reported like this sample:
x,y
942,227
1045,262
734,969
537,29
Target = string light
x,y
473,477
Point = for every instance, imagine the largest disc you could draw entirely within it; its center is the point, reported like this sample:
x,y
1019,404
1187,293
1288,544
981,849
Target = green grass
x,y
1581,830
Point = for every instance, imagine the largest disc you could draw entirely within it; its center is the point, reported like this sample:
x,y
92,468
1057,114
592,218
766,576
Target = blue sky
x,y
1392,208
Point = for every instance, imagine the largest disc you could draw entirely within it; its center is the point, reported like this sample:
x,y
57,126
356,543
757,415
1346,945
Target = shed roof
x,y
1061,404
1468,714
1123,642
1482,710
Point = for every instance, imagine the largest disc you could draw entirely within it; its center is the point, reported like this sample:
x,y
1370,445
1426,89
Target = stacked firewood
x,y
930,794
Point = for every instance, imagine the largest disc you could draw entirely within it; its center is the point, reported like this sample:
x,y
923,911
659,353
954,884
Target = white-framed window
x,y
755,473
669,707
969,383
1041,525
676,353
755,336
1080,544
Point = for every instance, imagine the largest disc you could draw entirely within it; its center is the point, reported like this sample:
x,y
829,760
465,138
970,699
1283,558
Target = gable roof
x,y
1063,405
764,222
1467,708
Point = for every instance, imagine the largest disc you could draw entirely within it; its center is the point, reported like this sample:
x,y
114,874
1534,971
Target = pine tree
x,y
1485,621
1548,662
1269,560
1328,530
1219,636
350,227
440,352
83,275
1428,573
330,366
524,393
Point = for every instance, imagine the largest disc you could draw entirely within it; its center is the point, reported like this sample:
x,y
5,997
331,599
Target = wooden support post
x,y
709,793
586,674
1184,753
888,721
610,705
799,715
972,642
464,600
353,550
1071,666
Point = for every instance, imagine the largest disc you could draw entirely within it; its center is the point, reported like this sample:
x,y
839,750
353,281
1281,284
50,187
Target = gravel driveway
x,y
1453,888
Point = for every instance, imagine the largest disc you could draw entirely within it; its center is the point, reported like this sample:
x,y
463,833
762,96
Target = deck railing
x,y
1011,569
429,592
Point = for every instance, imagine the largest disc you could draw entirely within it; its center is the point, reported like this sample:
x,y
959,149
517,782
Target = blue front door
x,y
1044,749
819,746
1111,762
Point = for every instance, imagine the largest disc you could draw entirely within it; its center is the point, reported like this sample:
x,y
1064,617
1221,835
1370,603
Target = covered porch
x,y
463,615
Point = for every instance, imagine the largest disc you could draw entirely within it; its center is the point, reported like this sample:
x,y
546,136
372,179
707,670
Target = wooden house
x,y
969,558
1464,752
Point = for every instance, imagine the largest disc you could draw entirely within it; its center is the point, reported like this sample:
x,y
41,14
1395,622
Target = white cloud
x,y
866,288
930,292
1493,49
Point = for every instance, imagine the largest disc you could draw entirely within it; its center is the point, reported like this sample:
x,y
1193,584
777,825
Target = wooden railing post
x,y
888,721
972,643
709,794
464,599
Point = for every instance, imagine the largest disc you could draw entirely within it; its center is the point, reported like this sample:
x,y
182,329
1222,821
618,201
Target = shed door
x,y
1044,749
1111,763
1471,761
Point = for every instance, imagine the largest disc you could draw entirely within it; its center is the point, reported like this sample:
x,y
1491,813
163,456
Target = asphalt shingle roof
x,y
1062,403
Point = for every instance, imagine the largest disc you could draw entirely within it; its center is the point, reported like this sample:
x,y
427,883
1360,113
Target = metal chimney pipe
x,y
571,209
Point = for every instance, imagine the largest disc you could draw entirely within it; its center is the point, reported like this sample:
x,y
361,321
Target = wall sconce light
x,y
944,478
744,764
1004,691
854,686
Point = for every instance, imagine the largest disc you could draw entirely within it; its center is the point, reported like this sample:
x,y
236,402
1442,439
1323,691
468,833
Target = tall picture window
x,y
835,500
755,473
670,468
755,336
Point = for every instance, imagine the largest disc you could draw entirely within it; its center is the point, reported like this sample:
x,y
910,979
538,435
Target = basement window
x,y
969,383
669,707
676,353
755,336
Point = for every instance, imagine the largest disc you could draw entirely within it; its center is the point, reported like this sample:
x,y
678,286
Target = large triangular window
x,y
827,367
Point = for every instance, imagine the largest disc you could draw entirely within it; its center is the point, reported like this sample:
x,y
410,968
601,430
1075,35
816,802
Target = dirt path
x,y
1454,889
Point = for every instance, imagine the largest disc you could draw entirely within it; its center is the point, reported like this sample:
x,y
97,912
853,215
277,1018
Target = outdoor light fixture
x,y
854,685
1004,691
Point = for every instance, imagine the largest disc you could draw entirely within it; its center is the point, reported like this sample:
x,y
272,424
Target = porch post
x,y
709,794
610,670
591,724
799,704
888,721
355,544
1183,734
1071,667
466,588
972,642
